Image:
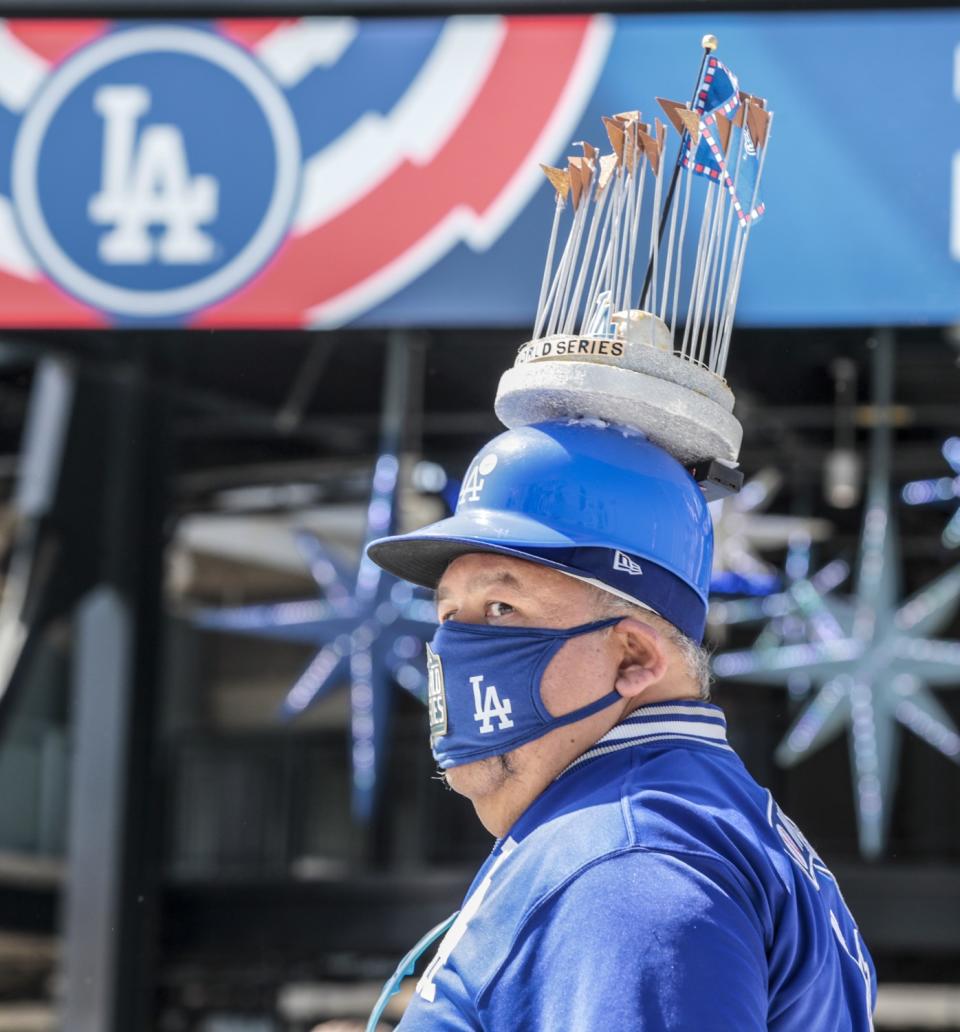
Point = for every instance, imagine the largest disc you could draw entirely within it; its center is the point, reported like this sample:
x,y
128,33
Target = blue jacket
x,y
653,886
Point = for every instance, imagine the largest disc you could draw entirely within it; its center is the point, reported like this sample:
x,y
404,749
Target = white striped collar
x,y
681,720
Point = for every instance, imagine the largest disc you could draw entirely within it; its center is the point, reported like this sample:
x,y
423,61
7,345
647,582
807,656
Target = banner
x,y
377,172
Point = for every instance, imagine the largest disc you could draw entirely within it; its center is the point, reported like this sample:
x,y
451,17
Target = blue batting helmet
x,y
597,502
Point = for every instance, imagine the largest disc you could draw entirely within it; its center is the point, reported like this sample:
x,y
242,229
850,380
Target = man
x,y
641,880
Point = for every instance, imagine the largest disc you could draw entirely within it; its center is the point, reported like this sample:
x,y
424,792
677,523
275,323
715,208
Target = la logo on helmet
x,y
476,478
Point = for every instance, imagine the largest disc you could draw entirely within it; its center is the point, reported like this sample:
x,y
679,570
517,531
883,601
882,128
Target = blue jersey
x,y
653,886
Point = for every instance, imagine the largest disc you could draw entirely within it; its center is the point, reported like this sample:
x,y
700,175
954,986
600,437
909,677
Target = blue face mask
x,y
484,694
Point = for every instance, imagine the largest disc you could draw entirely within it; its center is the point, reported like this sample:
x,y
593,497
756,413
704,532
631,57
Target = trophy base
x,y
681,419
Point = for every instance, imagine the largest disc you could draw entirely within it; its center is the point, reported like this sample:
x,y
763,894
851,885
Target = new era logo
x,y
626,564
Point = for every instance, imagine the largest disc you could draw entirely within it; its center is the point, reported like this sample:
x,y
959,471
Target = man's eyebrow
x,y
502,578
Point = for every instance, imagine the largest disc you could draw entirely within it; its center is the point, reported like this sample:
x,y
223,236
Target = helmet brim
x,y
422,556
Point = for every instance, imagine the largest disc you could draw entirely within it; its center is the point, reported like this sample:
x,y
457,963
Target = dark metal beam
x,y
110,932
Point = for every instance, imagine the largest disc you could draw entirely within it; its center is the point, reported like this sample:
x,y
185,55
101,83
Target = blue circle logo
x,y
157,171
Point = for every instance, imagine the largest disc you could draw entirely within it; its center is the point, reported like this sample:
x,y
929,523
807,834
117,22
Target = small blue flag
x,y
719,91
719,97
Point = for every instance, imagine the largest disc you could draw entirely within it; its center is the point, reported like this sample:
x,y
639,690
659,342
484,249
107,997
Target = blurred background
x,y
260,271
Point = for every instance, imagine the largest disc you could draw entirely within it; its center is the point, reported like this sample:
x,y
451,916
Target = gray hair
x,y
695,657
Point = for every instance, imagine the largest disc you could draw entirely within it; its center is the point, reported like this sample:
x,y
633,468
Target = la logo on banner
x,y
154,220
490,707
146,182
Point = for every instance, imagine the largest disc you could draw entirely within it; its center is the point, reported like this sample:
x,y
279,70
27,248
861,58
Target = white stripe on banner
x,y
462,223
14,256
291,52
21,71
416,129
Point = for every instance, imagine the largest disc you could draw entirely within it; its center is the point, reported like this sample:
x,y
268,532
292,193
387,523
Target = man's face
x,y
500,591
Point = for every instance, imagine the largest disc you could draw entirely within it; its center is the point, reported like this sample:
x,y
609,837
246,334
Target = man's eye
x,y
496,609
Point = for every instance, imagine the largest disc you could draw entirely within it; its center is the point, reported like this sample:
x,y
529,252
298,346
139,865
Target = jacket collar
x,y
682,720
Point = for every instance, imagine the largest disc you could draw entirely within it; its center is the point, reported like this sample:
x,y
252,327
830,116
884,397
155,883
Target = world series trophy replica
x,y
655,365
628,329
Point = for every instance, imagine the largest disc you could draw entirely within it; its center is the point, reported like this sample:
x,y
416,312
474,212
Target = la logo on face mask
x,y
490,707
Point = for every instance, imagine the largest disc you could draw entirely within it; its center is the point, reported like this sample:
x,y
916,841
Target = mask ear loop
x,y
550,650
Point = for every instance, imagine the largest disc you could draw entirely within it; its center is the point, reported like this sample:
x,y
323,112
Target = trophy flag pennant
x,y
721,105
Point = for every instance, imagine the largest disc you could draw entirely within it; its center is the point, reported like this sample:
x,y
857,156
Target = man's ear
x,y
643,660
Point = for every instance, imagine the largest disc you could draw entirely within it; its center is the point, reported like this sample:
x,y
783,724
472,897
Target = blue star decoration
x,y
941,491
874,664
798,613
370,630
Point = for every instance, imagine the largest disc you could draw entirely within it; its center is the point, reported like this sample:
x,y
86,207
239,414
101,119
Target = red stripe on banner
x,y
56,39
41,305
248,32
471,170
